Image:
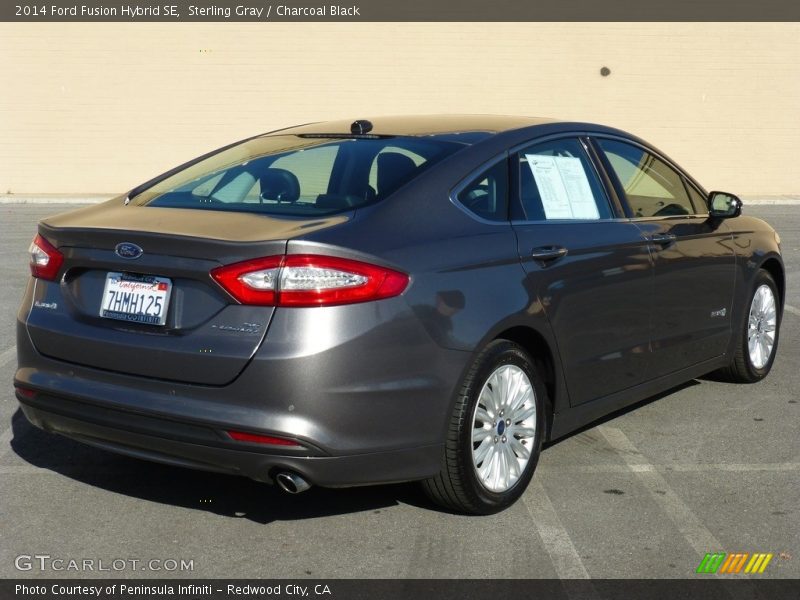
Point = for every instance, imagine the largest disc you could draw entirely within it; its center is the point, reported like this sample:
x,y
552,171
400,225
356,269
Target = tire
x,y
747,366
473,479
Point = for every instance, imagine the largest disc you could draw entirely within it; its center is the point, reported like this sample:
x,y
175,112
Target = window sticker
x,y
563,186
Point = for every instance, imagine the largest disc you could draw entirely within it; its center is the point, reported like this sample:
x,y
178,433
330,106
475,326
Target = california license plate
x,y
136,298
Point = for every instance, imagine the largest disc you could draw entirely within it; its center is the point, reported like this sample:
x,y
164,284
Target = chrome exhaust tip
x,y
291,483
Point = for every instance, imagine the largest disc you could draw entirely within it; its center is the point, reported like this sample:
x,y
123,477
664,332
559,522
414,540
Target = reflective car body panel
x,y
366,390
598,301
694,278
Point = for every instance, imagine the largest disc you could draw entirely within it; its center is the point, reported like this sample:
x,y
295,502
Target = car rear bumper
x,y
176,444
369,407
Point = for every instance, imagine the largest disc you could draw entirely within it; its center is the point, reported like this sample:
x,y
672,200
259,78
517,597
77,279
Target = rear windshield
x,y
300,176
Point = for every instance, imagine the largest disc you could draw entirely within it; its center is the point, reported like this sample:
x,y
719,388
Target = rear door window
x,y
557,182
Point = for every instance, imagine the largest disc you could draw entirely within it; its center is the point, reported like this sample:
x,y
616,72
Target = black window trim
x,y
620,192
618,203
583,137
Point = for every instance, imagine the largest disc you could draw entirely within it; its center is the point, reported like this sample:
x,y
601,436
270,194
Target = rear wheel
x,y
758,334
495,433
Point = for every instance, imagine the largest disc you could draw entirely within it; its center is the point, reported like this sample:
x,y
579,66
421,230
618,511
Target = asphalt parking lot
x,y
707,467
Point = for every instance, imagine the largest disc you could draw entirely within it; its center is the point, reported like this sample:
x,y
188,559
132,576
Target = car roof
x,y
421,125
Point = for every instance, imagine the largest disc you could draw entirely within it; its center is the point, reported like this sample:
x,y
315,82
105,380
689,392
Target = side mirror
x,y
722,205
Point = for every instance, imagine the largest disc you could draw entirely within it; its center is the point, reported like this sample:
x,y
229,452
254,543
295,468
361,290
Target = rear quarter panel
x,y
467,283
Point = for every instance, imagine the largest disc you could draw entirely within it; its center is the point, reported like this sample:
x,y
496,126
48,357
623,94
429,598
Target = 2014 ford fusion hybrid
x,y
403,298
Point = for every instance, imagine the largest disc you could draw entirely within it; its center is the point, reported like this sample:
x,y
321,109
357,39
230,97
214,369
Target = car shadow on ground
x,y
224,495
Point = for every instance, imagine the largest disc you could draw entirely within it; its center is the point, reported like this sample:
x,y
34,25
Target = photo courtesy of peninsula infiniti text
x,y
377,300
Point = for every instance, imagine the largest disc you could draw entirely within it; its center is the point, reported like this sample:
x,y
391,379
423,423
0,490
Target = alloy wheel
x,y
504,428
761,325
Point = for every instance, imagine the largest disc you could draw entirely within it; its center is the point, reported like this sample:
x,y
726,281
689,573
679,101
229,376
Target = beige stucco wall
x,y
101,107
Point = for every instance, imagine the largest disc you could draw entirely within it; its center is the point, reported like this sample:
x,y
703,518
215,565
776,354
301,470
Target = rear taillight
x,y
251,281
308,280
46,260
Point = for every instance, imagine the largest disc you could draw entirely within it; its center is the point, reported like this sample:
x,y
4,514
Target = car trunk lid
x,y
206,338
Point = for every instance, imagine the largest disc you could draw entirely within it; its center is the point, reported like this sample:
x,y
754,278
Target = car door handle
x,y
662,239
547,253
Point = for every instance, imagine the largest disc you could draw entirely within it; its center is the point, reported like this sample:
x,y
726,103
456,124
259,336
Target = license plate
x,y
136,298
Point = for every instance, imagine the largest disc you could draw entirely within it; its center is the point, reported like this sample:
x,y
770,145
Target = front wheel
x,y
495,433
758,334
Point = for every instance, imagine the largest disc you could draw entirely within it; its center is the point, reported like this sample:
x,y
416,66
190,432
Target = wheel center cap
x,y
501,427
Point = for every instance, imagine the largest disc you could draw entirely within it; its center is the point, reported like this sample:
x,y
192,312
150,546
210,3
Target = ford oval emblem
x,y
128,250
